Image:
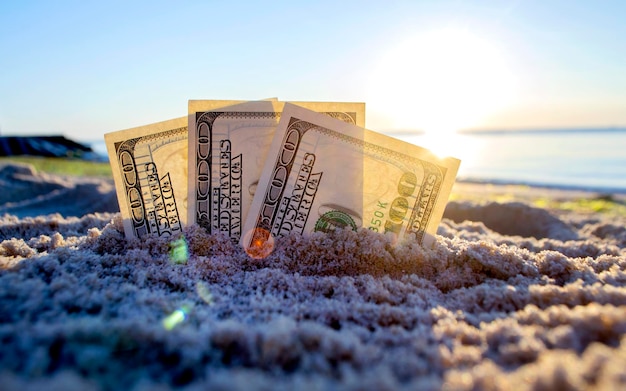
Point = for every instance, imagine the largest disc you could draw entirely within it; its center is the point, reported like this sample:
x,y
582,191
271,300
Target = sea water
x,y
593,159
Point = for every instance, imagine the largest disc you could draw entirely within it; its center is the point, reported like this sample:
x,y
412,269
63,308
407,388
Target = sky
x,y
85,68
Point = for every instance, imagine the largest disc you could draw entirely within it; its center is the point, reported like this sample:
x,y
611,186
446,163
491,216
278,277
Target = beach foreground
x,y
512,296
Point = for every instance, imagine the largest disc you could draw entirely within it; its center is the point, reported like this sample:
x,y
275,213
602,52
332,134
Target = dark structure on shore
x,y
46,146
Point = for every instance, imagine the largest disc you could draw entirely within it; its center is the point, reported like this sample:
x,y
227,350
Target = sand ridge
x,y
515,297
28,193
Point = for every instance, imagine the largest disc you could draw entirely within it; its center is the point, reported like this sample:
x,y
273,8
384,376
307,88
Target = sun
x,y
440,81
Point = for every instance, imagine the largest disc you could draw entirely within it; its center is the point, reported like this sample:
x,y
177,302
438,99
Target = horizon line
x,y
494,130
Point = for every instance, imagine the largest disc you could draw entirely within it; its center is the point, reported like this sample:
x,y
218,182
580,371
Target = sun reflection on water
x,y
450,144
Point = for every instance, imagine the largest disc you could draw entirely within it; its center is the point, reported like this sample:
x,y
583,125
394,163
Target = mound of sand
x,y
28,193
510,297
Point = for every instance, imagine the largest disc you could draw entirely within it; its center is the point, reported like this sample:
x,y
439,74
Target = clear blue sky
x,y
84,68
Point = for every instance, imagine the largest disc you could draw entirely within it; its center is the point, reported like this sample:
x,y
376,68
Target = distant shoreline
x,y
547,186
543,131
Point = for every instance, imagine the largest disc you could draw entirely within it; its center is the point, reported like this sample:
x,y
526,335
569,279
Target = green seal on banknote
x,y
334,219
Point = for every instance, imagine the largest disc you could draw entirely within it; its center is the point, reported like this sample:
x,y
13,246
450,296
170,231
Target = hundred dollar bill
x,y
227,149
149,165
321,174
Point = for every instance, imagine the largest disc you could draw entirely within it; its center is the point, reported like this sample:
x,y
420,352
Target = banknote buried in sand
x,y
159,187
227,151
259,170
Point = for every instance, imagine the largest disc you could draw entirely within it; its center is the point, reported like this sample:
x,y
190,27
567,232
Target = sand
x,y
511,297
28,193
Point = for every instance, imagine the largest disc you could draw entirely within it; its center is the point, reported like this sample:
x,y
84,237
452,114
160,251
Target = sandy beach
x,y
515,294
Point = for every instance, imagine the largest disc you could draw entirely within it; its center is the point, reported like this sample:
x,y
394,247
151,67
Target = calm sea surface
x,y
582,159
585,159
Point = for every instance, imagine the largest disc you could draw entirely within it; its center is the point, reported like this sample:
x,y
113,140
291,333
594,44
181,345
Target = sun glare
x,y
439,82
